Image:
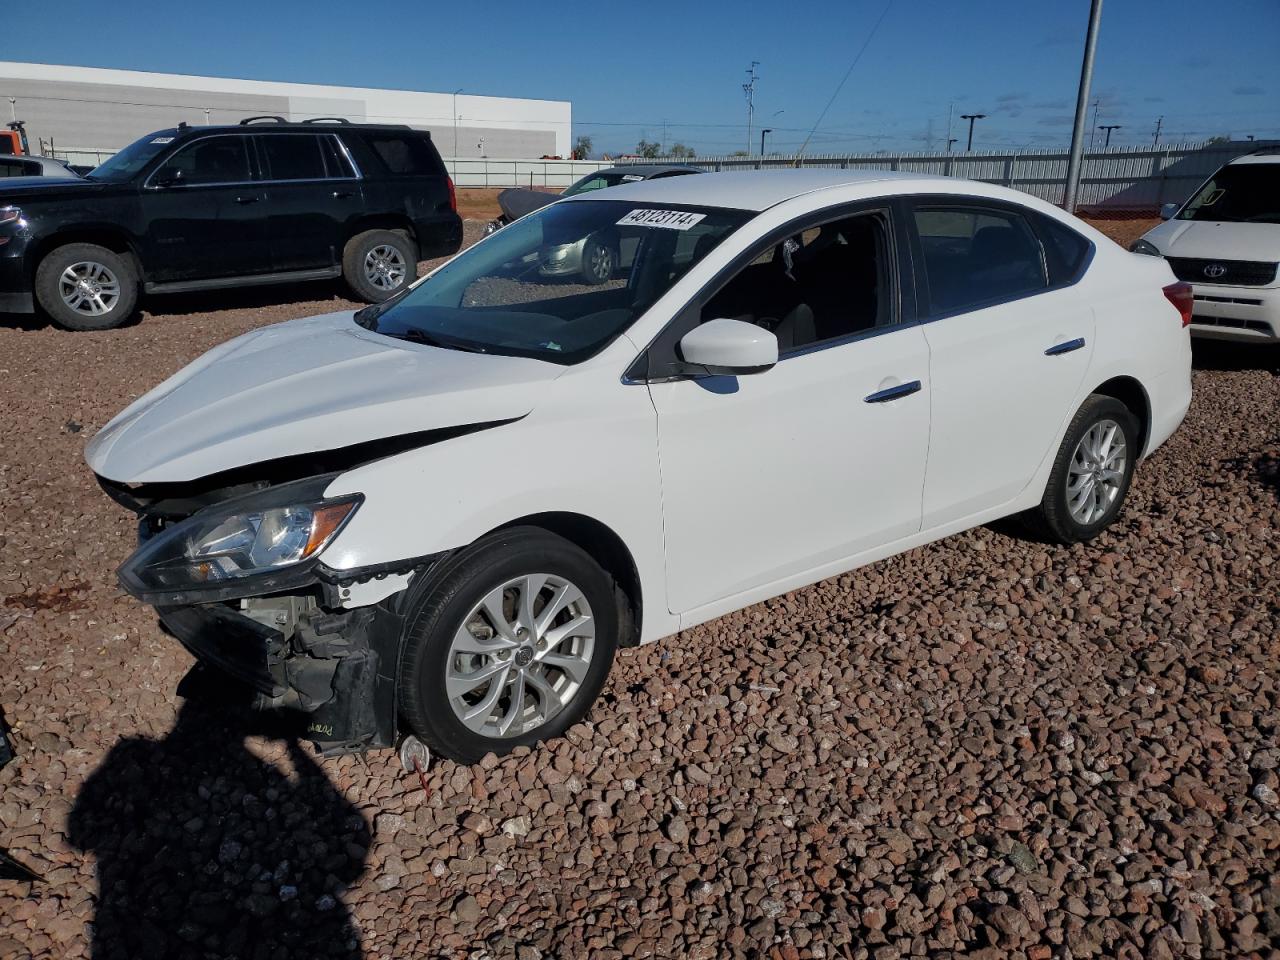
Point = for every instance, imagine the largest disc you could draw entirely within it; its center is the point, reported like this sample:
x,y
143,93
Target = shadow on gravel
x,y
204,849
1227,355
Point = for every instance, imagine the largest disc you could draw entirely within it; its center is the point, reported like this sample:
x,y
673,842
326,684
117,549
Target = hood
x,y
1217,240
306,386
517,202
16,189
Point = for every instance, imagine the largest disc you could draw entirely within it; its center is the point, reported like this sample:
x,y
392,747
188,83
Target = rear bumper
x,y
1236,313
440,236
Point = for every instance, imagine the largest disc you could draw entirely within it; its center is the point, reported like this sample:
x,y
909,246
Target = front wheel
x,y
1092,471
83,286
509,646
599,261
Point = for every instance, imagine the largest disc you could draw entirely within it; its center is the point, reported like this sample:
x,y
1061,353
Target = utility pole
x,y
951,109
749,88
950,141
1082,108
762,133
1096,104
1155,141
1108,127
455,122
971,117
662,149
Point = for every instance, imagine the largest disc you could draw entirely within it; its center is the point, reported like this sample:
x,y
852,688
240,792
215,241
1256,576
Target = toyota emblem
x,y
1214,270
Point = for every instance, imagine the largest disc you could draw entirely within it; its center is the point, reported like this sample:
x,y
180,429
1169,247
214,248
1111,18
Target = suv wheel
x,y
378,264
510,645
83,286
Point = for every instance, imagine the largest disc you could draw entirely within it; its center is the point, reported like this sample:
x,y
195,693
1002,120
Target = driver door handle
x,y
248,198
893,393
342,194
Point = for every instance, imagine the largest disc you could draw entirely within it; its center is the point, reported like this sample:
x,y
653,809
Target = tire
x,y
378,264
599,261
434,686
83,286
1070,517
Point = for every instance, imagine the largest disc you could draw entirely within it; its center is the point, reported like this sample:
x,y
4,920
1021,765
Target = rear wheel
x,y
378,264
509,646
83,286
1092,471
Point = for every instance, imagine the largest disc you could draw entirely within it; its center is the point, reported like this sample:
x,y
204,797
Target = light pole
x,y
971,117
1082,109
1108,127
1155,141
762,133
950,141
749,88
455,121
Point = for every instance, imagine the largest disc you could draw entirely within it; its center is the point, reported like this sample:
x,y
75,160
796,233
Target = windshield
x,y
1239,193
126,164
558,284
599,181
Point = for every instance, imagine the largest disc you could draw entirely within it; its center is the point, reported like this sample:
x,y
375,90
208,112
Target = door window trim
x,y
981,205
660,352
340,148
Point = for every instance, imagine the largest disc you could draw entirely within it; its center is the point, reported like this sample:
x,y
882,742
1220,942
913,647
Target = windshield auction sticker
x,y
668,219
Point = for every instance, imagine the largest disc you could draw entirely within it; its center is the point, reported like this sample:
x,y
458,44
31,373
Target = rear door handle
x,y
1065,347
893,393
342,194
247,199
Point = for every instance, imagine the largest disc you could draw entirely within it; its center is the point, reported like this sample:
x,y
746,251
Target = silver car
x,y
24,166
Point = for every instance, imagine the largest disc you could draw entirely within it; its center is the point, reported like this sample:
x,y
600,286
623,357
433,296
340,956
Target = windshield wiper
x,y
420,336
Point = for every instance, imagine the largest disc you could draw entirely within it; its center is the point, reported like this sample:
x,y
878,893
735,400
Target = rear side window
x,y
1065,251
18,168
292,156
977,256
404,154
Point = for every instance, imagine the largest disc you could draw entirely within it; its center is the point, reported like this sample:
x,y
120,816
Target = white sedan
x,y
443,514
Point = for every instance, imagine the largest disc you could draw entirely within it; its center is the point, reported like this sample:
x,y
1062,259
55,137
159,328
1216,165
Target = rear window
x,y
18,168
404,154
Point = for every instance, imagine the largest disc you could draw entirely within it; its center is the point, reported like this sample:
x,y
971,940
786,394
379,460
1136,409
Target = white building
x,y
87,110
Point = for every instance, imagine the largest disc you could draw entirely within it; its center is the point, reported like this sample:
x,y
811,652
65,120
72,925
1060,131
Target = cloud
x,y
1249,91
1059,120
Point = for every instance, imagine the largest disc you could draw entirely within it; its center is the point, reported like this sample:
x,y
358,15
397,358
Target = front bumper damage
x,y
330,670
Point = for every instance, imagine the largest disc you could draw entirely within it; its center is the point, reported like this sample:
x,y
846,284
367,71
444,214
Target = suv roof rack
x,y
266,116
327,120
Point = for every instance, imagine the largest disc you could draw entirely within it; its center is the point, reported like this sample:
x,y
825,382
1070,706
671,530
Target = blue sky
x,y
1208,69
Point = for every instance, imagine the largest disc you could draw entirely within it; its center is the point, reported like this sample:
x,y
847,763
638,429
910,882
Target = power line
x,y
853,63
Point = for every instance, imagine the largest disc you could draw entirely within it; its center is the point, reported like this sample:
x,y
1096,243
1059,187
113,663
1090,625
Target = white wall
x,y
88,107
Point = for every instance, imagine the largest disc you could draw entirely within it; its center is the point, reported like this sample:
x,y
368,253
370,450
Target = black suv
x,y
195,208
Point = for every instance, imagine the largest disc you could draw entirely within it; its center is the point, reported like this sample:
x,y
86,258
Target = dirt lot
x,y
988,746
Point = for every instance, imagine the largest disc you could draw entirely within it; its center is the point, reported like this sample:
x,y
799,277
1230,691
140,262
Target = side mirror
x,y
1169,210
169,177
729,348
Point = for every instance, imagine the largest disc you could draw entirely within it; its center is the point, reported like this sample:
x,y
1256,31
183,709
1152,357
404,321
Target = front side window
x,y
208,161
824,283
558,284
1238,193
974,257
292,156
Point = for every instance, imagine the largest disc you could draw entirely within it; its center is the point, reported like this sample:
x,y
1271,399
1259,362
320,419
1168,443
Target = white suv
x,y
1225,242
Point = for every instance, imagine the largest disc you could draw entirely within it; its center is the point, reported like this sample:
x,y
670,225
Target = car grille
x,y
1245,273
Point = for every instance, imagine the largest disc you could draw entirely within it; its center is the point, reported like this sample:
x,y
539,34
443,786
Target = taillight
x,y
453,196
1182,298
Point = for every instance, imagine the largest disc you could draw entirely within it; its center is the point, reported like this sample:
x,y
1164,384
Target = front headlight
x,y
10,214
242,538
1145,246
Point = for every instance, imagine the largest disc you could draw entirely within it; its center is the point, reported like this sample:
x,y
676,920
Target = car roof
x,y
1270,155
647,170
761,189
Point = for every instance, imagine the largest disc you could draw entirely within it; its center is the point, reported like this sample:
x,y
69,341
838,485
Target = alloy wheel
x,y
89,288
520,656
384,267
600,264
1096,472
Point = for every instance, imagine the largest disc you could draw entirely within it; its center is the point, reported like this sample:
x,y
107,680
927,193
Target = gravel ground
x,y
986,747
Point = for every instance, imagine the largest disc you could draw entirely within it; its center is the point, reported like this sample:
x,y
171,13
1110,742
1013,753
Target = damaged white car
x,y
444,513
